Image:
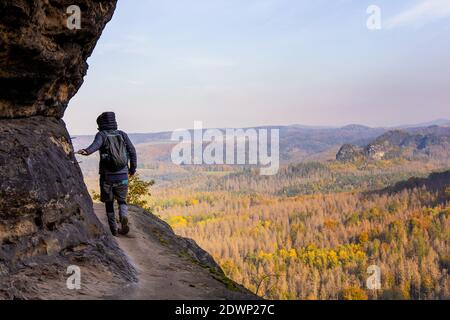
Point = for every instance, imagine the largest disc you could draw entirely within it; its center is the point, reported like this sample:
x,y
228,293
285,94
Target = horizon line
x,y
403,126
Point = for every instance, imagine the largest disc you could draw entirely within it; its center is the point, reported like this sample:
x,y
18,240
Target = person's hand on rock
x,y
82,152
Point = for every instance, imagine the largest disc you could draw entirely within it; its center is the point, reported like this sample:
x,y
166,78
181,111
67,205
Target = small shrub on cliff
x,y
138,189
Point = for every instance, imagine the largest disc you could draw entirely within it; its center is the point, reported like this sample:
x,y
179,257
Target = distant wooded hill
x,y
414,143
299,143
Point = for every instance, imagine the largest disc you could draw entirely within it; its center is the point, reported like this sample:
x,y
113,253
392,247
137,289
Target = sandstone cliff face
x,y
46,215
350,153
42,61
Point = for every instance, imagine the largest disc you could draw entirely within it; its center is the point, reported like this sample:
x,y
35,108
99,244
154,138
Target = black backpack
x,y
114,155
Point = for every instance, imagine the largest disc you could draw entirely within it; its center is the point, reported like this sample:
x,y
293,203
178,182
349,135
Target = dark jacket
x,y
98,144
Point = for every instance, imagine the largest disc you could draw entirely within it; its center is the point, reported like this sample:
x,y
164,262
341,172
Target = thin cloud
x,y
417,16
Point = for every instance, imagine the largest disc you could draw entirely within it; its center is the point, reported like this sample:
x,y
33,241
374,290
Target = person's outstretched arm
x,y
95,146
131,153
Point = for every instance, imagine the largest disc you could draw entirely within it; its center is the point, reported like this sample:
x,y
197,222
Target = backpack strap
x,y
106,133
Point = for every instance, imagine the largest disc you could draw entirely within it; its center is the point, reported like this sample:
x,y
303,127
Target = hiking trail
x,y
165,269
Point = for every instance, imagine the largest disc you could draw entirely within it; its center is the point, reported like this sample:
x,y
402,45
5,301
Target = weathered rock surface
x,y
350,153
42,61
47,220
46,214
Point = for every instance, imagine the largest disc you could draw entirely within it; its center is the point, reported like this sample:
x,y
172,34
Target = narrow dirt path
x,y
163,272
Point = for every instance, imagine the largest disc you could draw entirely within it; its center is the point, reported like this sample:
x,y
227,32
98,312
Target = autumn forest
x,y
314,230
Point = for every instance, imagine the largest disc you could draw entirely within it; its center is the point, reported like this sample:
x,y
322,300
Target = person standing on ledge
x,y
117,160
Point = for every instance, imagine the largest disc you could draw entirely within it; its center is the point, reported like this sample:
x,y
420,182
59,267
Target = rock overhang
x,y
42,60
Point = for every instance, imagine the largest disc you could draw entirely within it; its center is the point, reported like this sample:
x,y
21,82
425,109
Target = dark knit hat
x,y
107,121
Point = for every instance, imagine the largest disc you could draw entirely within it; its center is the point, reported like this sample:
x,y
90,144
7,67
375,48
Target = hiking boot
x,y
112,223
125,228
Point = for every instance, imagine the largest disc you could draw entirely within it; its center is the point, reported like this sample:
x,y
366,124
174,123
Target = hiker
x,y
117,160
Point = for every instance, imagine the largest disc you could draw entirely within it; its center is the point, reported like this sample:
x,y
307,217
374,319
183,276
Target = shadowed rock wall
x,y
45,209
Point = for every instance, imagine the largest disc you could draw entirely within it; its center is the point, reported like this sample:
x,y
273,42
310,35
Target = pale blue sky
x,y
160,65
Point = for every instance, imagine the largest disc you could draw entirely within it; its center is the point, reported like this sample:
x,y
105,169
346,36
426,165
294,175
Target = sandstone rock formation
x,y
42,61
350,153
46,215
418,143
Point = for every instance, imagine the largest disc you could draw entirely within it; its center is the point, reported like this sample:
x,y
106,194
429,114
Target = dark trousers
x,y
110,191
